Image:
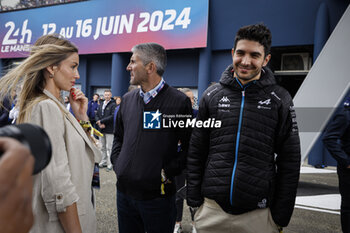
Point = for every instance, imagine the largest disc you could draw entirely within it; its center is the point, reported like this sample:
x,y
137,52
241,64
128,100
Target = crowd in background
x,y
9,112
23,4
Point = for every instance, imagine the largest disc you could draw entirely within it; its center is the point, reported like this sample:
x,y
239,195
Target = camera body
x,y
35,138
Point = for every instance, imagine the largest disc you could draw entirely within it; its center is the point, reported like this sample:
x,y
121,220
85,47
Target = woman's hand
x,y
79,104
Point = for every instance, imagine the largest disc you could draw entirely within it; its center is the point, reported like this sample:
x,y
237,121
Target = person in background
x,y
145,159
190,95
180,179
118,101
133,87
66,102
62,192
243,176
14,113
337,141
101,99
104,119
5,108
92,109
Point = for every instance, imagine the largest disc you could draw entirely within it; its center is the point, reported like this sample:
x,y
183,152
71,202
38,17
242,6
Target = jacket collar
x,y
266,78
110,101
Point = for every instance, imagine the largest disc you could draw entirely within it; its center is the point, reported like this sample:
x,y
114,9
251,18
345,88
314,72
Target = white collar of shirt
x,y
105,103
151,93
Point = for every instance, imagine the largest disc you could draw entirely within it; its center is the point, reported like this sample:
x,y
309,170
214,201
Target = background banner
x,y
108,26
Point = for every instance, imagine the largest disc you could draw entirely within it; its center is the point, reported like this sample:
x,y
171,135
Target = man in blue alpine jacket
x,y
243,176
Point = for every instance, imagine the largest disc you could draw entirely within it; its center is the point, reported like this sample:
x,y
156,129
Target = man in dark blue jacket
x,y
104,120
92,109
337,140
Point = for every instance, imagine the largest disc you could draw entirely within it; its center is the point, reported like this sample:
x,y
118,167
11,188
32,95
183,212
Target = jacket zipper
x,y
238,136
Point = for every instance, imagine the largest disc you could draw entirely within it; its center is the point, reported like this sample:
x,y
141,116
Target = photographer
x,y
16,167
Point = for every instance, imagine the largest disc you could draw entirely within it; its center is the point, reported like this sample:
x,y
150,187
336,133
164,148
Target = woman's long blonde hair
x,y
48,50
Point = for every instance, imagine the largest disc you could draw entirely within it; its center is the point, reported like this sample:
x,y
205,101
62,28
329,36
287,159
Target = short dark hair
x,y
256,32
149,52
108,90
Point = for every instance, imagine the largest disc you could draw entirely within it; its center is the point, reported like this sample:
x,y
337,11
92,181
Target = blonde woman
x,y
62,192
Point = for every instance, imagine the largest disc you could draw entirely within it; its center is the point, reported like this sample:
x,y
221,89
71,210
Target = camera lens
x,y
35,138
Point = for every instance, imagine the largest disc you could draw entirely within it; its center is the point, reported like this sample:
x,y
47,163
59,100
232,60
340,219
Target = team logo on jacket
x,y
264,104
224,104
152,120
224,99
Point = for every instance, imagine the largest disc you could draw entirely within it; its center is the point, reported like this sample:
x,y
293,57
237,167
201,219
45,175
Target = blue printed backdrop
x,y
107,26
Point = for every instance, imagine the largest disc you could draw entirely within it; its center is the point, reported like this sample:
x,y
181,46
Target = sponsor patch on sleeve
x,y
294,119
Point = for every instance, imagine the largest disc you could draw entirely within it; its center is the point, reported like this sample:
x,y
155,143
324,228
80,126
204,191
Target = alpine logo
x,y
267,102
264,104
224,99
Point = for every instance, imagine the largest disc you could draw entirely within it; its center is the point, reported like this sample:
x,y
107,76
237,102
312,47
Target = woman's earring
x,y
51,75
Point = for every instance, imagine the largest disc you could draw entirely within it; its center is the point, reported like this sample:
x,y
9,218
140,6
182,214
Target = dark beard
x,y
250,77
